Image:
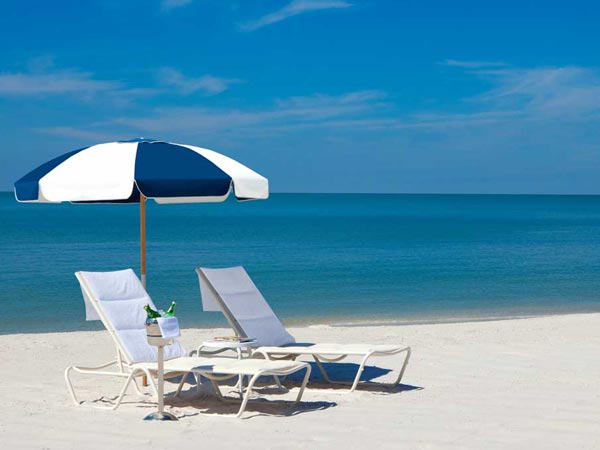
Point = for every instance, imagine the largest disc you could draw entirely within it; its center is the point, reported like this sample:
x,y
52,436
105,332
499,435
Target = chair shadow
x,y
207,403
211,405
338,372
344,373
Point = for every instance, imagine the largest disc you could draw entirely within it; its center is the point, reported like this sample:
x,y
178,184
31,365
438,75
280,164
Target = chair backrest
x,y
231,291
118,299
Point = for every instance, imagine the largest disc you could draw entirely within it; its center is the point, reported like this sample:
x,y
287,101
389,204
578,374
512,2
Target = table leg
x,y
161,414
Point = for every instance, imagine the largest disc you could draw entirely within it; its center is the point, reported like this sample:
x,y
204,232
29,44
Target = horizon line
x,y
551,194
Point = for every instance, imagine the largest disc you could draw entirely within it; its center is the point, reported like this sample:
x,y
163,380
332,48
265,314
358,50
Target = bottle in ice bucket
x,y
151,313
171,311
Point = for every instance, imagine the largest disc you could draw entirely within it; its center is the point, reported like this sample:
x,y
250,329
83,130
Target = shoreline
x,y
298,323
452,320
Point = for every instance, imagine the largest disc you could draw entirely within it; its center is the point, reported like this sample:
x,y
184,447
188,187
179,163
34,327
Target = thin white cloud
x,y
543,91
473,64
168,5
294,8
295,112
530,129
58,82
43,80
207,84
517,96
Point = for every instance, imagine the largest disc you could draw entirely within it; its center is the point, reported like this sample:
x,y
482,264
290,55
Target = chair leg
x,y
359,372
304,383
70,385
322,369
125,386
247,394
403,368
216,388
181,383
137,387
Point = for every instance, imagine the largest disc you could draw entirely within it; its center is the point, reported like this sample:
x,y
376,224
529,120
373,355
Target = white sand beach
x,y
526,383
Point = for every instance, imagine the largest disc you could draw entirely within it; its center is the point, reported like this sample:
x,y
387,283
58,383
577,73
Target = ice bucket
x,y
154,335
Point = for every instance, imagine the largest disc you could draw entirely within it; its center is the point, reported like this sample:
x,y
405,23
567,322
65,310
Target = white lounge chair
x,y
117,299
231,291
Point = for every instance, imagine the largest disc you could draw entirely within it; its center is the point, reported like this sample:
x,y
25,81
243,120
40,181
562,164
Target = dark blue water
x,y
316,258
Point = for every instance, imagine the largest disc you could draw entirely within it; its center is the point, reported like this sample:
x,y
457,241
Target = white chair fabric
x,y
121,297
246,304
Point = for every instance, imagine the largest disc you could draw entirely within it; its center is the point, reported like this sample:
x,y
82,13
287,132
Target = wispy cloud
x,y
517,96
294,8
42,80
295,112
58,82
542,92
526,122
207,84
473,64
168,5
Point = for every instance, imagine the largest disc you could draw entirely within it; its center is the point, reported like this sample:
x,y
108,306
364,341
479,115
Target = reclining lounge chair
x,y
231,291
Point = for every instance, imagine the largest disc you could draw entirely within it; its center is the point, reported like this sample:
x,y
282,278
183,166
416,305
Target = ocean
x,y
317,258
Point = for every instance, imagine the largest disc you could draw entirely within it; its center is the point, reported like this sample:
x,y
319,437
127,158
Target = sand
x,y
527,383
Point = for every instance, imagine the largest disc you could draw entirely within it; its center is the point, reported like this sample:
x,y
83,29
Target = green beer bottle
x,y
151,313
171,311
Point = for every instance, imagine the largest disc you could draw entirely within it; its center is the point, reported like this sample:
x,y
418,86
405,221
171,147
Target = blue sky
x,y
317,95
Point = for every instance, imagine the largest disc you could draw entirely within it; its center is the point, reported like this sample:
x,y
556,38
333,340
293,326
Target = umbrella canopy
x,y
122,171
132,171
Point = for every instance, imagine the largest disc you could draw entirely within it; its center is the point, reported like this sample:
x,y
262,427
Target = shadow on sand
x,y
203,400
207,404
345,373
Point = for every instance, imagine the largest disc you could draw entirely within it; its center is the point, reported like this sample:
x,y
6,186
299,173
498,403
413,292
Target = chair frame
x,y
320,358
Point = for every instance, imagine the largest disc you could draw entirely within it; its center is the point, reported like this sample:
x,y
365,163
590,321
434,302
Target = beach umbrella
x,y
140,169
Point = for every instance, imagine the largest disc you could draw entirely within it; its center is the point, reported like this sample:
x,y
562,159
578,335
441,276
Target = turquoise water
x,y
316,258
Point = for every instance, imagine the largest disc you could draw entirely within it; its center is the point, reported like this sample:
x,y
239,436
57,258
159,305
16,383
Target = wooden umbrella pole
x,y
143,239
143,253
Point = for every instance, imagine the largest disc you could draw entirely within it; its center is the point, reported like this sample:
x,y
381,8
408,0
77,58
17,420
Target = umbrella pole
x,y
143,252
143,239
